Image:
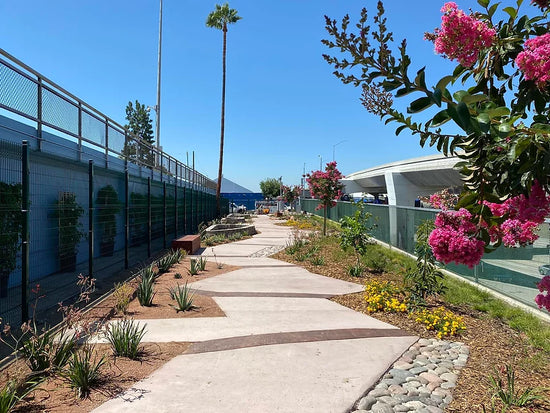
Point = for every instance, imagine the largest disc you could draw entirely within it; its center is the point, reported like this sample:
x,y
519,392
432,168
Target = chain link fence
x,y
73,202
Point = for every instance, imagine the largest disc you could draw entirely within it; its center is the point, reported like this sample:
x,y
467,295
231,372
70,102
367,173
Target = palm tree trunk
x,y
220,169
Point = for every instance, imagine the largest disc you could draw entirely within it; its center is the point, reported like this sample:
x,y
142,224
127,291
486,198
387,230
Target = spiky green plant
x,y
125,338
184,296
83,371
145,291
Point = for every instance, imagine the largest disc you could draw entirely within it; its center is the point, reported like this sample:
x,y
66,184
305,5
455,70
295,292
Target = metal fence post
x,y
164,214
176,210
126,218
25,232
90,219
148,216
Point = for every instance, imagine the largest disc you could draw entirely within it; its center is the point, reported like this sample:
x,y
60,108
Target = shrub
x,y
125,338
145,291
122,295
505,389
376,261
193,267
202,263
384,296
178,275
356,231
445,323
149,272
165,263
317,260
424,279
43,352
355,270
183,296
83,372
179,255
13,392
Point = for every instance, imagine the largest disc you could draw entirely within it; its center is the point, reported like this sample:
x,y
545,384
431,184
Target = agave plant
x,y
184,296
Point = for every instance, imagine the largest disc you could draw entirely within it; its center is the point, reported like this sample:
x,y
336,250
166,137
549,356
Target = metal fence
x,y
513,272
74,201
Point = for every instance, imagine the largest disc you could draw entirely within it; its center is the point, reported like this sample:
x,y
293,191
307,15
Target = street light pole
x,y
320,162
157,107
334,146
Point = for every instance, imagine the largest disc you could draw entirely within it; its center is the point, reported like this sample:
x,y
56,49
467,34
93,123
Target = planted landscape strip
x,y
96,373
496,333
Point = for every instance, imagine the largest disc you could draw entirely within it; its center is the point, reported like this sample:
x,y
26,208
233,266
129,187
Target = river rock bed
x,y
420,381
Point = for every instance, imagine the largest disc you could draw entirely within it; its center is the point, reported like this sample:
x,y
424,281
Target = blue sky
x,y
284,108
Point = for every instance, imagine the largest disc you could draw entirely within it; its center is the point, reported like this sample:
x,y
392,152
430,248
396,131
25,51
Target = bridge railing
x,y
29,94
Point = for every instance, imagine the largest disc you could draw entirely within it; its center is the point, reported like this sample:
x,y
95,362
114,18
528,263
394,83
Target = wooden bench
x,y
190,243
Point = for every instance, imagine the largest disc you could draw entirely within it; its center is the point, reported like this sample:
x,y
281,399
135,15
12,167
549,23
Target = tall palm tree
x,y
219,19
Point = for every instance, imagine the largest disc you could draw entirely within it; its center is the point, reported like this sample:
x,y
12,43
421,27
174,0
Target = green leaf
x,y
474,98
403,91
390,85
420,79
493,9
498,112
400,129
483,118
442,84
504,128
419,105
436,97
464,115
511,12
459,95
440,118
483,3
467,199
540,127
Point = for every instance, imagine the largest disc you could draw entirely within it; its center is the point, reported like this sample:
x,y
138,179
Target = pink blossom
x,y
461,36
534,60
543,300
326,185
454,240
515,232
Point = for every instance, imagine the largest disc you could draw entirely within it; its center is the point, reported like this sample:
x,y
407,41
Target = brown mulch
x,y
119,373
492,342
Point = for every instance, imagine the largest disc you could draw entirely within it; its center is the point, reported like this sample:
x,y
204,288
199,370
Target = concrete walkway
x,y
283,347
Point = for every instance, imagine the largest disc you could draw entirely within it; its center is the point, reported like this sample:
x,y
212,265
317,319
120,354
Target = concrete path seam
x,y
256,340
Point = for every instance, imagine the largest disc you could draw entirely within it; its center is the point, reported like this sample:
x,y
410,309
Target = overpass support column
x,y
401,192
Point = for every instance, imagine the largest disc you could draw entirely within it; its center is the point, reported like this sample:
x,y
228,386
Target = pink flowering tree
x,y
291,194
326,187
497,98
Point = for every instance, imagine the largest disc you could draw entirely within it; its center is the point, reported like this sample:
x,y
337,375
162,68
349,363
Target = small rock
x,y
401,408
415,405
448,385
379,393
389,400
434,409
381,408
366,403
432,378
395,389
418,370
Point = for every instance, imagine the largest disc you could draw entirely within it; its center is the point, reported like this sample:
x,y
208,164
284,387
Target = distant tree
x,y
140,125
270,187
326,187
219,19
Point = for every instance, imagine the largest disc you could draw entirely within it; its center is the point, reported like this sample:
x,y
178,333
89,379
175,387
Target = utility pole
x,y
157,107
